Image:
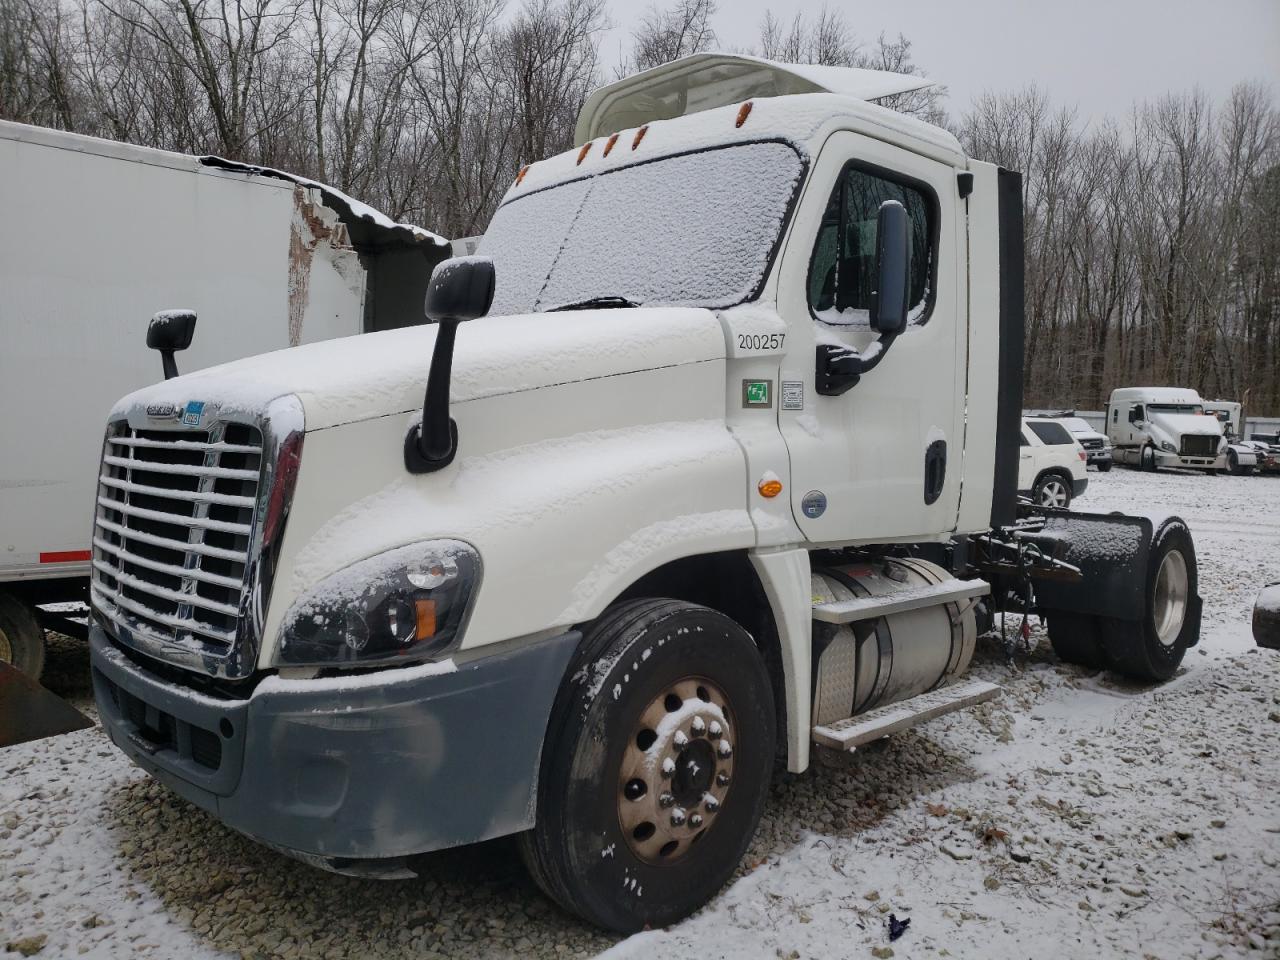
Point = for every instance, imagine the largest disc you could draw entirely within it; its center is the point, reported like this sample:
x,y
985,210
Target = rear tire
x,y
21,637
1153,648
624,838
1076,638
1052,490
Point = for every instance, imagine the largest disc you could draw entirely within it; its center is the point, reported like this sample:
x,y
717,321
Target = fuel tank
x,y
875,662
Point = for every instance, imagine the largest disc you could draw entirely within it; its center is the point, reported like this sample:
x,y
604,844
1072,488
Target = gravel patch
x,y
1076,815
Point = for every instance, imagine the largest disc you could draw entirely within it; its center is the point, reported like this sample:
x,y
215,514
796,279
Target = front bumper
x,y
1166,459
1098,457
370,768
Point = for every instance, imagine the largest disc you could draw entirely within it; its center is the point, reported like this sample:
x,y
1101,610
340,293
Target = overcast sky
x,y
1099,54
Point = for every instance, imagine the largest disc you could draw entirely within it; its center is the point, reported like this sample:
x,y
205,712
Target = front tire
x,y
21,637
656,766
1053,490
1104,467
1147,459
1153,648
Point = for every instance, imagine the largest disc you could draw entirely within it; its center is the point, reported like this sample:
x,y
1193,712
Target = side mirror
x,y
461,289
893,270
170,331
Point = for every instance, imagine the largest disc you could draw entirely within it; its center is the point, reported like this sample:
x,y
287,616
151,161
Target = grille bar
x,y
194,496
192,598
204,523
157,466
179,546
117,598
139,561
219,445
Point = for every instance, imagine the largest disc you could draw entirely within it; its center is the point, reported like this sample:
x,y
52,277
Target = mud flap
x,y
1266,617
1111,551
29,712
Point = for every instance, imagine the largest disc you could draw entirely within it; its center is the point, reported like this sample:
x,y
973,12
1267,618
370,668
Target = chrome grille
x,y
1203,445
173,529
1093,443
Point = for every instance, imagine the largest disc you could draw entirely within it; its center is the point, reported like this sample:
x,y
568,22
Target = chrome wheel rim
x,y
1169,605
676,771
1053,494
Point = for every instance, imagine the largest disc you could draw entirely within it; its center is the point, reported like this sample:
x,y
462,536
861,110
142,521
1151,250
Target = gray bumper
x,y
369,772
1096,457
1079,486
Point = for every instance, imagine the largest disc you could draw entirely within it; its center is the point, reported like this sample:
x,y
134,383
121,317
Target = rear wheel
x,y
21,637
656,766
1053,490
1153,648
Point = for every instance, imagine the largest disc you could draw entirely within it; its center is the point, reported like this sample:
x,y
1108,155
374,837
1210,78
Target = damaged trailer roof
x,y
370,229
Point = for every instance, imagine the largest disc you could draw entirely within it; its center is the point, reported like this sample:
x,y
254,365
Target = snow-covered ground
x,y
1077,816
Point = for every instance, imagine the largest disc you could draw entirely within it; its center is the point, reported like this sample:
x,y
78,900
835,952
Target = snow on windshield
x,y
691,230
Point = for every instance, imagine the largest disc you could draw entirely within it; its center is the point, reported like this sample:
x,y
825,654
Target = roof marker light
x,y
609,146
523,171
744,111
582,154
639,136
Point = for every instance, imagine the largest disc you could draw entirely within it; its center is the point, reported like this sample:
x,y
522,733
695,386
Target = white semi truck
x,y
1153,427
98,235
722,467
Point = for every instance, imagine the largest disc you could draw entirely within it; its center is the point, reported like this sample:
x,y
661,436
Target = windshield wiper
x,y
596,303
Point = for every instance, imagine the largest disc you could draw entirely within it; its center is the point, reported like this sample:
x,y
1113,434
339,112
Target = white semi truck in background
x,y
1153,427
98,236
722,469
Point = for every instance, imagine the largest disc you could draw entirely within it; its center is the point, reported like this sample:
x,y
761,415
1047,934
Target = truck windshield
x,y
1174,408
698,229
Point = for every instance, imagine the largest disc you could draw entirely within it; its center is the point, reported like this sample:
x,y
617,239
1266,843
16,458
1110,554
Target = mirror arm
x,y
431,445
840,368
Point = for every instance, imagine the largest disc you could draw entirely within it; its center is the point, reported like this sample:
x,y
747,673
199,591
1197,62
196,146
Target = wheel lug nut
x,y
722,779
699,726
715,729
668,766
695,821
712,804
666,801
681,739
724,749
677,817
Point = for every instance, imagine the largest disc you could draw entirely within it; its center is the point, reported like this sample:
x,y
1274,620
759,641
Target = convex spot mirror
x,y
168,332
460,289
893,269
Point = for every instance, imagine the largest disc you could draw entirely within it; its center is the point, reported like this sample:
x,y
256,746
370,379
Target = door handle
x,y
935,470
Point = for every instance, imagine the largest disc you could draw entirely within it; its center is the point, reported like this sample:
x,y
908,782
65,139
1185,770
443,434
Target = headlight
x,y
1166,445
410,603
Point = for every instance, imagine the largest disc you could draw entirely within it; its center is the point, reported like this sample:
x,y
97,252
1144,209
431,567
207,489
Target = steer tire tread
x,y
633,649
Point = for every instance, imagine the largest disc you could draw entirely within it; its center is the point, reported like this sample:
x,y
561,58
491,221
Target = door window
x,y
842,269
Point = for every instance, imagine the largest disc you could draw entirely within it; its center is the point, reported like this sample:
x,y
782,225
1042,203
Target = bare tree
x,y
666,34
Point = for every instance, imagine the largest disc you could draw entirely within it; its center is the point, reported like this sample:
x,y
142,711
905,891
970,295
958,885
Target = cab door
x,y
882,461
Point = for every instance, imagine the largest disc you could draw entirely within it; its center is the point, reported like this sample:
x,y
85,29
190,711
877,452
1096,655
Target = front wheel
x,y
1153,648
656,766
1053,490
21,637
1147,459
1104,467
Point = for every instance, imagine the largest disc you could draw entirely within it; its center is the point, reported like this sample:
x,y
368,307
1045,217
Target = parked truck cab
x,y
1153,427
698,468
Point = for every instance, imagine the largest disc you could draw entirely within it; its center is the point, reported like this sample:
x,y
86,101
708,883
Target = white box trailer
x,y
99,236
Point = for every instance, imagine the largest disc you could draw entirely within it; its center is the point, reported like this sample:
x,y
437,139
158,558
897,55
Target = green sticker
x,y
757,393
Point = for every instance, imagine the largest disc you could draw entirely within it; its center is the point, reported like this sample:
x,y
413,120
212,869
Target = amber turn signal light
x,y
770,488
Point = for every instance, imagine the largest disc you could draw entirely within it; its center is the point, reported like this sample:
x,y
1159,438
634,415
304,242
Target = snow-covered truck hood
x,y
1186,424
372,375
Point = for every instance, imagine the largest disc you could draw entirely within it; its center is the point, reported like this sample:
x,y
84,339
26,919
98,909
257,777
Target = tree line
x,y
1152,255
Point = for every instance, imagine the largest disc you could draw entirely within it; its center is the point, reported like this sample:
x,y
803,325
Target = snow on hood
x,y
376,374
1187,424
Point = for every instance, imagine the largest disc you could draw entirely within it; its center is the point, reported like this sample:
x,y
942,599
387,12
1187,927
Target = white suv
x,y
1052,466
